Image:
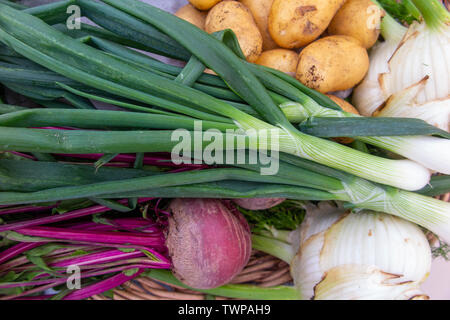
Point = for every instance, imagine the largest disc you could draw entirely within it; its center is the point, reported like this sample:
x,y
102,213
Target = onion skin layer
x,y
209,245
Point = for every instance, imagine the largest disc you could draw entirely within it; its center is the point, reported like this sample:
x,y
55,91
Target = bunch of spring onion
x,y
92,73
26,35
402,146
408,75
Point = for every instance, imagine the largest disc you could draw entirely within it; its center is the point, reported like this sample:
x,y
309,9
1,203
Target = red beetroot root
x,y
209,245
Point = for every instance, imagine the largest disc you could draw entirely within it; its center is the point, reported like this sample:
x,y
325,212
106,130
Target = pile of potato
x,y
323,43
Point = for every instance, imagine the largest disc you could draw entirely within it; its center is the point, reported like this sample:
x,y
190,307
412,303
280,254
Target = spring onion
x,y
422,149
86,61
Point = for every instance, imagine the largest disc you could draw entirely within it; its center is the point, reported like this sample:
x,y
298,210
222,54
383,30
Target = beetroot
x,y
258,203
208,244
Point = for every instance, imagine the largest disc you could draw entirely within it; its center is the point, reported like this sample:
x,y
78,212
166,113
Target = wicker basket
x,y
262,270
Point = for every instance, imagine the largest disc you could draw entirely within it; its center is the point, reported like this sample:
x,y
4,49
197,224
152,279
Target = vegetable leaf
x,y
9,277
71,205
403,11
286,216
44,250
130,272
108,294
39,262
443,250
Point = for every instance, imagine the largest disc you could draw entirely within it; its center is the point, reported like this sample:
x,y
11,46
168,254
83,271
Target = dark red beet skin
x,y
208,244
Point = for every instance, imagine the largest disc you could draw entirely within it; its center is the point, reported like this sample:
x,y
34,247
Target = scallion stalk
x,y
86,60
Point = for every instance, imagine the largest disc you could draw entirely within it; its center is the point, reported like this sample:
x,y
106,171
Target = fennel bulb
x,y
424,53
414,66
336,254
369,95
405,104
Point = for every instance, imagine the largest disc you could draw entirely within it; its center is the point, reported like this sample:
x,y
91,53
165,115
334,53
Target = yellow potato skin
x,y
345,105
192,15
281,59
358,19
204,4
260,10
296,23
237,17
332,63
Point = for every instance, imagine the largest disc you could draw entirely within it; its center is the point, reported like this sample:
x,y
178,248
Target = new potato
x,y
344,104
296,23
260,10
359,19
192,15
237,17
332,63
204,4
281,59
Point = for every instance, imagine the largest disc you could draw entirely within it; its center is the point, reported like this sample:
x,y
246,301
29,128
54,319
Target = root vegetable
x,y
192,15
237,17
260,10
280,59
296,23
209,245
359,19
204,4
332,63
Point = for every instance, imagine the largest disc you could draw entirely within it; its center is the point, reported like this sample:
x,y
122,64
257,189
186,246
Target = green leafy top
x,y
403,11
286,216
443,250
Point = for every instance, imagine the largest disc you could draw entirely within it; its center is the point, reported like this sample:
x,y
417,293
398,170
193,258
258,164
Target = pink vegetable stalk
x,y
208,241
208,244
155,159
